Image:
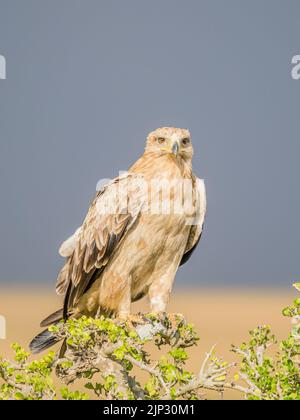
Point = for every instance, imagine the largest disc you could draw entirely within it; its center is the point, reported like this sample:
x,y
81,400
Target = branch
x,y
150,370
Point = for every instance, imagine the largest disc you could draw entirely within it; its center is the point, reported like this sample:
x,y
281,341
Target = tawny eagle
x,y
134,237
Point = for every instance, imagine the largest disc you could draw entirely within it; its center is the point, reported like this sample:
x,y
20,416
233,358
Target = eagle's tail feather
x,y
42,341
51,319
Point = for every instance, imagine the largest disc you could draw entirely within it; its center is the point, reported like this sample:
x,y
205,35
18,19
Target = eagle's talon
x,y
174,321
130,320
160,316
170,321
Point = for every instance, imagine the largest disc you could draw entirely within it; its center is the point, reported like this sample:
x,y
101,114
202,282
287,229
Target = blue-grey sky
x,y
87,80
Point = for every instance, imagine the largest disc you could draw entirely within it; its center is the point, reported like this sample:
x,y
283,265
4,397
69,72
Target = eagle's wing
x,y
198,222
112,213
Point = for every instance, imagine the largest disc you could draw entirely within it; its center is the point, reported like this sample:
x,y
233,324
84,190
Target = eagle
x,y
139,229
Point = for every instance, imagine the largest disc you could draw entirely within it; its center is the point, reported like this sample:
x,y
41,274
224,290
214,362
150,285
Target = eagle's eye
x,y
185,141
161,140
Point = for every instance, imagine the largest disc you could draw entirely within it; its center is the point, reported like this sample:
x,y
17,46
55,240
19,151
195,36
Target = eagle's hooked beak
x,y
175,148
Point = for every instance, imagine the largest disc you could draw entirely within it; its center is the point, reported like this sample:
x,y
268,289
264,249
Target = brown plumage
x,y
125,250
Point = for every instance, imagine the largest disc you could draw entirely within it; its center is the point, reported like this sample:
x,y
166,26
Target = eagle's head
x,y
170,140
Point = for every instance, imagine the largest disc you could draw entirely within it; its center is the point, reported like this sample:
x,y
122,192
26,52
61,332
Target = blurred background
x,y
86,82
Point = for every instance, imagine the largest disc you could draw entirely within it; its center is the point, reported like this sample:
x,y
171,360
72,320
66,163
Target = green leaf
x,y
19,396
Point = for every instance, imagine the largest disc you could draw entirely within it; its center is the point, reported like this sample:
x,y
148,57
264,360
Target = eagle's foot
x,y
175,320
171,321
131,319
160,316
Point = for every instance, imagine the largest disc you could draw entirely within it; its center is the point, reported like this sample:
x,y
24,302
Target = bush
x,y
110,355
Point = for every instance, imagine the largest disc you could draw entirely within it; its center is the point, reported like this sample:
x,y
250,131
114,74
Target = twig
x,y
150,370
205,361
